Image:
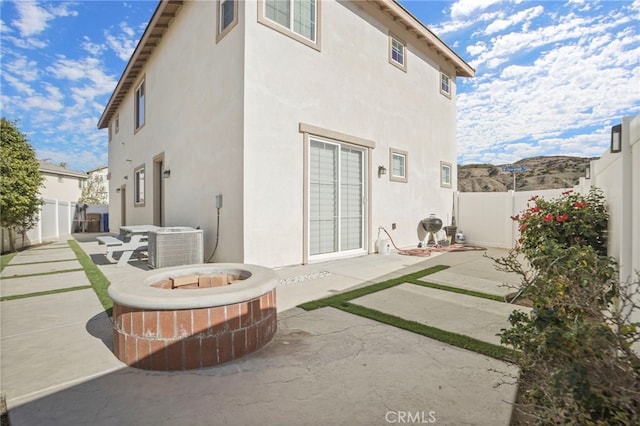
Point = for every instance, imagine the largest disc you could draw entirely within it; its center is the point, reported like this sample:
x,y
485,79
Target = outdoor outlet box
x,y
219,201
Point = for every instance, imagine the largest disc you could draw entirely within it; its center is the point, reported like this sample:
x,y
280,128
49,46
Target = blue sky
x,y
551,77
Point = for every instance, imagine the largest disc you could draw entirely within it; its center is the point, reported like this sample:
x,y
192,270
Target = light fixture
x,y
382,170
616,138
126,177
118,190
166,173
587,172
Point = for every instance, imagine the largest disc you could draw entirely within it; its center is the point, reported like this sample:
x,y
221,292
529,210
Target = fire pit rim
x,y
140,294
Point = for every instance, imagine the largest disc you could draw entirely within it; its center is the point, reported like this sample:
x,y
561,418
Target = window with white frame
x,y
227,17
296,18
138,186
445,174
445,84
140,105
397,52
398,165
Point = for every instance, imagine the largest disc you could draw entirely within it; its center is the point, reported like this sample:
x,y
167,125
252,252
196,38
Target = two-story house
x,y
61,183
316,122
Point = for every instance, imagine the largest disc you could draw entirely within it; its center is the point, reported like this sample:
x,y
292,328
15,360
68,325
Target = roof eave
x,y
165,11
424,34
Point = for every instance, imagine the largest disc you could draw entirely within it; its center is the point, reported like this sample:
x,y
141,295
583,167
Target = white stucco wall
x,y
67,188
348,87
194,116
226,117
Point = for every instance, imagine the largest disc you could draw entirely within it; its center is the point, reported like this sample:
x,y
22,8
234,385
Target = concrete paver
x,y
472,316
50,341
11,270
57,254
40,283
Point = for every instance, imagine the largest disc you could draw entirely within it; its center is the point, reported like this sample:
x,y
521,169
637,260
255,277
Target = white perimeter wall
x,y
485,217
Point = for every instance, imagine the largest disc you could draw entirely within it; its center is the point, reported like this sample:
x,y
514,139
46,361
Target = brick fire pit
x,y
193,317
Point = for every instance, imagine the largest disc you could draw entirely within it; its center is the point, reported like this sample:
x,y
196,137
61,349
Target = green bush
x,y
576,361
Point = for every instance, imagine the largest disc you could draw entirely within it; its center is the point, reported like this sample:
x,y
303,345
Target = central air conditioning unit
x,y
175,246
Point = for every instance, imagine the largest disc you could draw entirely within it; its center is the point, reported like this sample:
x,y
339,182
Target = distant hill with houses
x,y
550,172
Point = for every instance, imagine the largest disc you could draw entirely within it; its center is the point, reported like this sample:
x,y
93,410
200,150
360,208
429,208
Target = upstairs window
x,y
227,17
295,18
138,186
445,84
117,124
139,105
397,53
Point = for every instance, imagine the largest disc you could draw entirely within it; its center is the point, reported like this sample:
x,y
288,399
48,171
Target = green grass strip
x,y
454,339
459,290
44,293
98,281
41,273
43,262
363,291
5,259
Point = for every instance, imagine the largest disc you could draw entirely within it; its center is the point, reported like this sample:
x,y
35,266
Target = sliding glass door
x,y
336,194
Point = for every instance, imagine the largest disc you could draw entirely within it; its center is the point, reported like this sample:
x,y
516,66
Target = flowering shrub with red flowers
x,y
572,219
575,357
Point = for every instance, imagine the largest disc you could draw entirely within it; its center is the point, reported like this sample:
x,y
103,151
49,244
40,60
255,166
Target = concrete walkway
x,y
324,367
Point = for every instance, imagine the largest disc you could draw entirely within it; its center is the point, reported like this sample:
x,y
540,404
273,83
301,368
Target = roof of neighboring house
x,y
167,10
97,169
49,168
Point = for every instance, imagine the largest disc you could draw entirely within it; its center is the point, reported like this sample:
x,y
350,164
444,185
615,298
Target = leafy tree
x,y
20,182
94,191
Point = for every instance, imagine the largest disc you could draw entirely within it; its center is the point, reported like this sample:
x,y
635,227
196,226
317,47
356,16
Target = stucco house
x,y
315,121
61,183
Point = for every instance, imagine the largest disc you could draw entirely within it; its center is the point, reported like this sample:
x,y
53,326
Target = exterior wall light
x,y
118,190
382,170
616,138
166,173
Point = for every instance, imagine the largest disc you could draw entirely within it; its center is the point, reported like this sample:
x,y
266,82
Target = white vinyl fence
x,y
57,218
485,217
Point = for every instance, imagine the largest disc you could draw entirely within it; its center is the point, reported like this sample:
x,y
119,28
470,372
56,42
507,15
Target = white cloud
x,y
464,8
32,19
522,16
95,49
124,43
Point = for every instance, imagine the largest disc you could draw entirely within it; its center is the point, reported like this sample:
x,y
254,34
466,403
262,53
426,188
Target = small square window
x,y
397,165
445,174
445,84
138,186
397,52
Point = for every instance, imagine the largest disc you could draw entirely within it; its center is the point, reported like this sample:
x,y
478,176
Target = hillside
x,y
541,173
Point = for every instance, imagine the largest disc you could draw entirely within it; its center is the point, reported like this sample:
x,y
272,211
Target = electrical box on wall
x,y
219,201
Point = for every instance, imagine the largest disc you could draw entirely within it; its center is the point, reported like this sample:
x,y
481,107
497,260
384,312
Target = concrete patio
x,y
324,367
